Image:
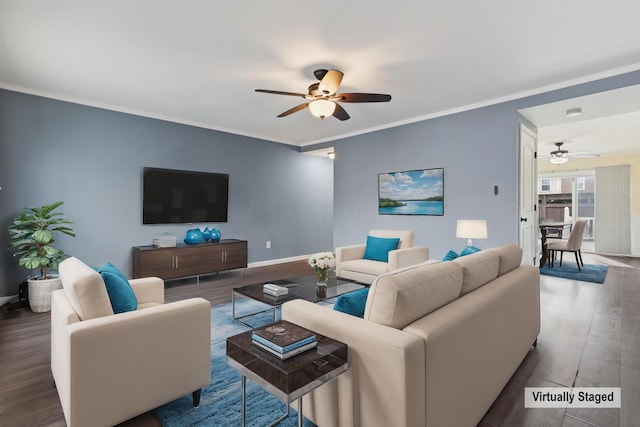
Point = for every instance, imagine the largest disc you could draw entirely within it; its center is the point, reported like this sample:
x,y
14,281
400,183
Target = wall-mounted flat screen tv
x,y
183,197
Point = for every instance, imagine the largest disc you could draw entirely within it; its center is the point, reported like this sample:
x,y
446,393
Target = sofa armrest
x,y
385,383
148,289
62,315
401,258
131,362
347,253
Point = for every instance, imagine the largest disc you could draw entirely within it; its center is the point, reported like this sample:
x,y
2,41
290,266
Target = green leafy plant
x,y
32,237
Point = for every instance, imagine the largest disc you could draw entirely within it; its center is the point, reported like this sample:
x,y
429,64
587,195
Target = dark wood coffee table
x,y
302,287
289,379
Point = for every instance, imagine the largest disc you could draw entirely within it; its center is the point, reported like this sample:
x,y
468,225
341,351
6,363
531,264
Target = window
x,y
545,184
581,181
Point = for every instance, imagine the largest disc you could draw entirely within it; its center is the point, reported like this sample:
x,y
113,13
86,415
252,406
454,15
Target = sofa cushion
x,y
352,303
378,248
401,297
85,289
478,269
121,295
365,266
510,258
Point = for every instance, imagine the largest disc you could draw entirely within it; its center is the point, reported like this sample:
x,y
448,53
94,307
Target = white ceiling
x,y
199,61
609,123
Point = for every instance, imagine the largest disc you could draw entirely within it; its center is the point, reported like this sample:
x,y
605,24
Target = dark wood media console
x,y
189,260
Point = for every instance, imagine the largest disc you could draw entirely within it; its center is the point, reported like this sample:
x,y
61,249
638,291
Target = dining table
x,y
544,229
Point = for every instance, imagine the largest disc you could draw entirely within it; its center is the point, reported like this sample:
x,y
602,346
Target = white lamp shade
x,y
322,108
471,229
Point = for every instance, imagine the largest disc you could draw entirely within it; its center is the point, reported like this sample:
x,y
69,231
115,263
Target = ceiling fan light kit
x,y
559,160
322,97
559,156
322,108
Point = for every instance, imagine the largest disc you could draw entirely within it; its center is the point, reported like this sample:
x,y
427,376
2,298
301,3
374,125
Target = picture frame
x,y
412,192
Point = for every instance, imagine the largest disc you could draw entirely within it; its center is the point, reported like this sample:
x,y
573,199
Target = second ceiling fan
x,y
560,155
323,101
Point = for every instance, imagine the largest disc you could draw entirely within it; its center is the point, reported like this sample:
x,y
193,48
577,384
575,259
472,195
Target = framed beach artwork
x,y
416,192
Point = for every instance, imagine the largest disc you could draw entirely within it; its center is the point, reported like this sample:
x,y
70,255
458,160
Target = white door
x,y
528,229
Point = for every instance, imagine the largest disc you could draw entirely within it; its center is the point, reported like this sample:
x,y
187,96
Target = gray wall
x,y
92,159
477,149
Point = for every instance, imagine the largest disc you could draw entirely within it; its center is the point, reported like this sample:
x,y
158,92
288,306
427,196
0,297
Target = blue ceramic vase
x,y
206,234
193,236
215,235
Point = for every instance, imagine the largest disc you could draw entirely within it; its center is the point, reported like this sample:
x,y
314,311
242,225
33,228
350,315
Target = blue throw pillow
x,y
450,256
352,303
378,248
120,293
469,250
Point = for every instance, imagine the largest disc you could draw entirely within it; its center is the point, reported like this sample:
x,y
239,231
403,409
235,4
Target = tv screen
x,y
180,197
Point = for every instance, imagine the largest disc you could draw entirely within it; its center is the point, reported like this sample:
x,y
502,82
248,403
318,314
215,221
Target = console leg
x,y
196,397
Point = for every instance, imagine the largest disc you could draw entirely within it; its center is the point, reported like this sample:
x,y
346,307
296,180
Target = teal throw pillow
x,y
450,256
469,250
378,248
120,292
352,303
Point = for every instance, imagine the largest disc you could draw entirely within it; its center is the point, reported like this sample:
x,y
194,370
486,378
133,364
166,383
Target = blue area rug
x,y
221,399
594,273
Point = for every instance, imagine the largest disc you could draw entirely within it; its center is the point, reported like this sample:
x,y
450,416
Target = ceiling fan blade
x,y
330,82
278,92
363,97
583,155
340,113
294,109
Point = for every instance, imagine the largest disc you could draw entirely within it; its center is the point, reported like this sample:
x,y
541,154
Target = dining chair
x,y
572,244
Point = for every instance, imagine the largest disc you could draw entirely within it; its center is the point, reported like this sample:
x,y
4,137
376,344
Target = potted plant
x,y
32,238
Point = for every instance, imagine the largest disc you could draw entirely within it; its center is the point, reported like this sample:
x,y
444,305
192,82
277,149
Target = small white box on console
x,y
165,241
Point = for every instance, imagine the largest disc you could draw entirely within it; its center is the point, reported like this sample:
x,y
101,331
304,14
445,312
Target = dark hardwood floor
x,y
590,337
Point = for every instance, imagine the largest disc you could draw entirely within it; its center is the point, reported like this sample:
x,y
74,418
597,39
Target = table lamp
x,y
471,229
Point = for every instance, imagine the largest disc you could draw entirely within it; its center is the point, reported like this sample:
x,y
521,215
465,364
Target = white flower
x,y
322,260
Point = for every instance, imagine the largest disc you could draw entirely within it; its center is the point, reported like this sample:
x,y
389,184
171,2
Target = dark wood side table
x,y
289,379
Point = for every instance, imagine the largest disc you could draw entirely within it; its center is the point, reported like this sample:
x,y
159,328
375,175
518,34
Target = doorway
x,y
568,197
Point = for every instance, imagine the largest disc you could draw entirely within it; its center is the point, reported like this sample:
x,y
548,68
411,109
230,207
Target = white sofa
x,y
437,344
350,264
111,367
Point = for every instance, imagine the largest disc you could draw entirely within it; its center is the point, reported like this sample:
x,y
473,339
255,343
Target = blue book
x,y
282,350
289,354
283,336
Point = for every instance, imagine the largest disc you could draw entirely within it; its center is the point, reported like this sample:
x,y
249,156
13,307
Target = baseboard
x,y
277,261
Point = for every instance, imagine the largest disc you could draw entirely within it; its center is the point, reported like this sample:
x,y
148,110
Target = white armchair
x,y
351,265
111,367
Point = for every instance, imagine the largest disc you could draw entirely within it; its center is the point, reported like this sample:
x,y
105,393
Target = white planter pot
x,y
40,293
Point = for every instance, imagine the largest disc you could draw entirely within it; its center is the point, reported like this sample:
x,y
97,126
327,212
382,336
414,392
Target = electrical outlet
x,y
268,244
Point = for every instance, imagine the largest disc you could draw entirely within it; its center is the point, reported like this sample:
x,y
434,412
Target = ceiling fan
x,y
323,99
560,156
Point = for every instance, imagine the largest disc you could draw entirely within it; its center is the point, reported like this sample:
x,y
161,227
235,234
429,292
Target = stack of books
x,y
274,290
284,339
